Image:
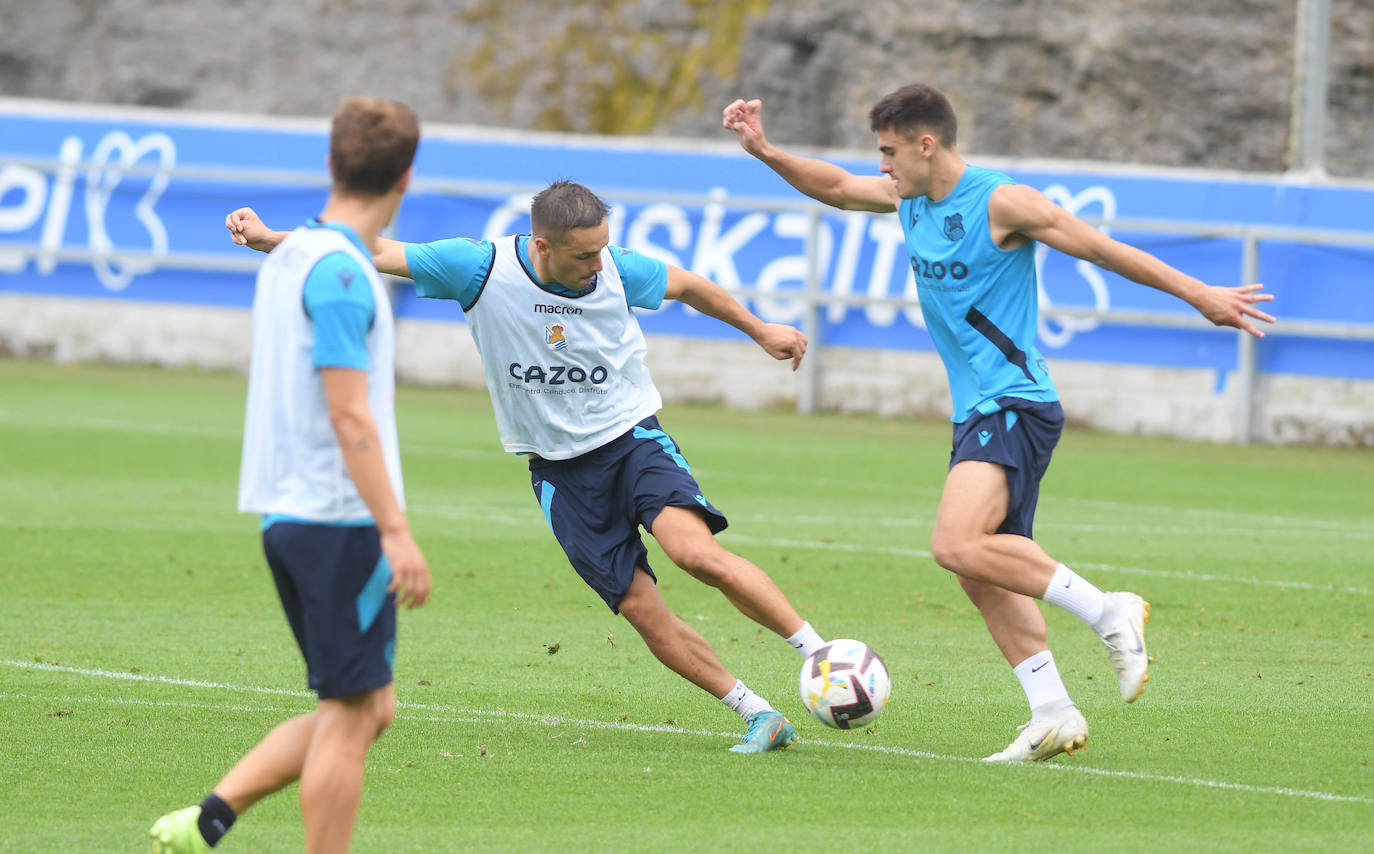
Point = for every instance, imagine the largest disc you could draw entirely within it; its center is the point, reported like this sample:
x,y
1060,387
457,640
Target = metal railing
x,y
813,298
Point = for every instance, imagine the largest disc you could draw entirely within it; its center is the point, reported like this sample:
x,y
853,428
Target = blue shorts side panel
x,y
596,503
332,583
1021,438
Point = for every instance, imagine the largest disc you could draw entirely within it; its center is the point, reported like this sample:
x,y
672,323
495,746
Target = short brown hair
x,y
563,206
914,108
371,144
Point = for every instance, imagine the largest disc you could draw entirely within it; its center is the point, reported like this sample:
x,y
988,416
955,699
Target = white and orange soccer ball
x,y
845,684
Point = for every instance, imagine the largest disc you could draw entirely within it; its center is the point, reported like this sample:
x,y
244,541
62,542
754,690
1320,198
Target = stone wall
x,y
1169,82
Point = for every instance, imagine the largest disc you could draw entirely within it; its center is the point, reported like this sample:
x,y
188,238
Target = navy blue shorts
x,y
596,503
332,581
1020,438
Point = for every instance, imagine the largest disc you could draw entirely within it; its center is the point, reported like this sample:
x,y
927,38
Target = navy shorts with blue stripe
x,y
1020,438
332,581
596,503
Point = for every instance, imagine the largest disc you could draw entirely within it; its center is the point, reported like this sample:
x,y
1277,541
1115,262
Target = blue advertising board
x,y
131,187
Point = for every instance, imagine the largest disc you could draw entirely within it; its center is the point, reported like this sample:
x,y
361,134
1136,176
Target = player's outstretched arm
x,y
346,391
777,339
1020,209
822,181
247,229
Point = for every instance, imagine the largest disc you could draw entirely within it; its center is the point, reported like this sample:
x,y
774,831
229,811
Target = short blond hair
x,y
563,206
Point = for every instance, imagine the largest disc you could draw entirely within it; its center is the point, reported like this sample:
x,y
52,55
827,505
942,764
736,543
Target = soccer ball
x,y
844,684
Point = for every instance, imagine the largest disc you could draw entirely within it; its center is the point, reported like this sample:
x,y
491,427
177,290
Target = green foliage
x,y
142,649
628,80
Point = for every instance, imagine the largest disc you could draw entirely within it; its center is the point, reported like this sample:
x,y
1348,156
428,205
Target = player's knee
x,y
631,608
653,624
358,719
379,710
383,718
640,609
951,551
707,563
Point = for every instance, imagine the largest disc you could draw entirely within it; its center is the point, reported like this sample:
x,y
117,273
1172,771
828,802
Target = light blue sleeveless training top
x,y
979,300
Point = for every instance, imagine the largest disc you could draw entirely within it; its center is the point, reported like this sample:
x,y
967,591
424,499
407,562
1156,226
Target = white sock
x,y
806,640
1075,594
744,702
1044,689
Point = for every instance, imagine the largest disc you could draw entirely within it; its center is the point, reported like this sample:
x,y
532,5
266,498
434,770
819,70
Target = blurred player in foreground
x,y
321,466
564,360
971,236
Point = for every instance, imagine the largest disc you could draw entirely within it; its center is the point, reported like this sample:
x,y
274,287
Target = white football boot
x,y
1122,629
1042,738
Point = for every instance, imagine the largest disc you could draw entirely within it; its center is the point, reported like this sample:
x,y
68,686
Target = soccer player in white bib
x,y
321,467
971,235
552,317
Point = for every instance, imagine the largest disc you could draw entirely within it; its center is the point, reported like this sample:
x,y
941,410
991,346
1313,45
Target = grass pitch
x,y
142,649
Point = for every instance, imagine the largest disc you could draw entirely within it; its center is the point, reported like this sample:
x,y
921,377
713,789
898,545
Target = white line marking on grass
x,y
1357,524
149,677
524,520
155,704
514,515
1206,576
443,714
895,485
901,551
1330,528
453,451
1108,772
1218,784
120,425
190,431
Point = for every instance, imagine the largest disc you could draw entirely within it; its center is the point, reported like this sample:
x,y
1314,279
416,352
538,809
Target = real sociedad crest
x,y
554,337
954,226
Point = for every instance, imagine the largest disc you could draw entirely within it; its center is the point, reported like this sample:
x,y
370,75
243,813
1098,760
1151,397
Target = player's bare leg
x,y
688,542
965,541
972,507
1015,622
685,652
1003,575
680,647
990,568
332,775
272,765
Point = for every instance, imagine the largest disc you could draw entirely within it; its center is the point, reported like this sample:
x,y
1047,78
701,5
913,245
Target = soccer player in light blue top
x,y
322,469
563,354
971,237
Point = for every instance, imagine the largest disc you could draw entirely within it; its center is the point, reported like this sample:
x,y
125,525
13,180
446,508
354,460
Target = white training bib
x,y
566,373
291,462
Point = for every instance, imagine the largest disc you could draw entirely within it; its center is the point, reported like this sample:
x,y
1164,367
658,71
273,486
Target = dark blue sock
x,y
215,819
